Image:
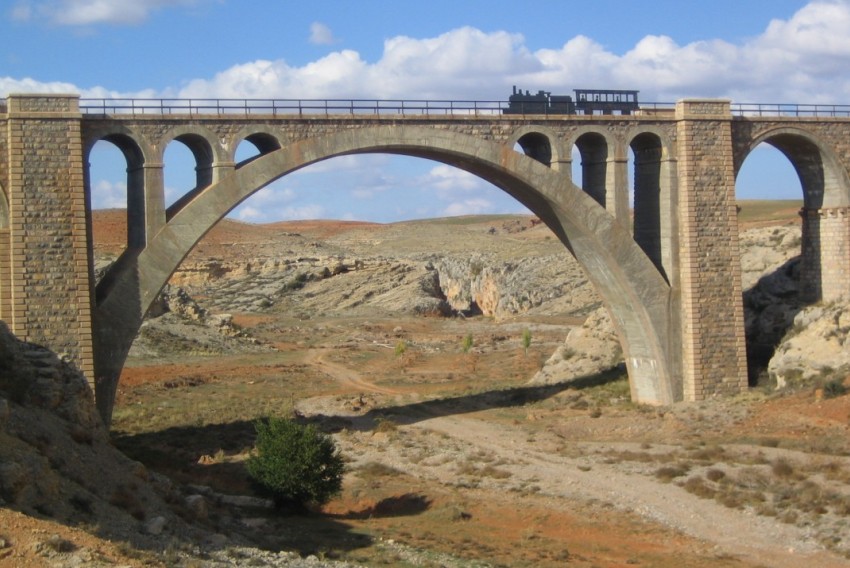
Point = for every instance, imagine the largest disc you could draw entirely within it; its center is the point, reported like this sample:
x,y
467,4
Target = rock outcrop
x,y
482,284
56,458
816,348
177,323
589,349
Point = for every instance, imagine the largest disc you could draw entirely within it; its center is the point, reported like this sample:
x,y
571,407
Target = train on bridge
x,y
586,101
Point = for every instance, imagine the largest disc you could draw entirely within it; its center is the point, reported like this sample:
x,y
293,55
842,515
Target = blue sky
x,y
745,50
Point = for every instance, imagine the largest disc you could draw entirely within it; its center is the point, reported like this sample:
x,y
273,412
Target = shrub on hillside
x,y
834,388
295,464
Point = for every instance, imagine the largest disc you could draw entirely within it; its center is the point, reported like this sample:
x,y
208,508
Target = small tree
x,y
400,350
472,357
467,343
526,340
295,464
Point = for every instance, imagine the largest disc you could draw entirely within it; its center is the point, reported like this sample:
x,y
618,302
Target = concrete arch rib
x,y
632,288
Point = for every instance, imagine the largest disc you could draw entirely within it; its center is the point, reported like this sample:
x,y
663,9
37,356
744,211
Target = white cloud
x,y
475,206
447,181
308,211
804,58
108,195
452,65
28,85
10,85
90,12
248,213
320,34
251,213
21,12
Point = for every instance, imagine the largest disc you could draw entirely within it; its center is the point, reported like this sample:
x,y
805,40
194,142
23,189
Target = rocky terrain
x,y
506,452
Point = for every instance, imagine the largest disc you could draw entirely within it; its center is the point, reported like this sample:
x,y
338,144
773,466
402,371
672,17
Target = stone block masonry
x,y
712,313
825,274
45,249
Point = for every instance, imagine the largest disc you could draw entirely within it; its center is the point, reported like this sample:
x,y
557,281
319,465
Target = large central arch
x,y
637,295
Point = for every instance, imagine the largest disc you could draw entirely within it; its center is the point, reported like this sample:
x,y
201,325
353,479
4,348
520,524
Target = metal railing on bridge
x,y
328,107
789,110
299,107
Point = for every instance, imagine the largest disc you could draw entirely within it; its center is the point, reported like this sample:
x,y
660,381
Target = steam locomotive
x,y
587,101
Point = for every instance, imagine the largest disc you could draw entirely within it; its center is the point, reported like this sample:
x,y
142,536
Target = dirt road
x,y
584,474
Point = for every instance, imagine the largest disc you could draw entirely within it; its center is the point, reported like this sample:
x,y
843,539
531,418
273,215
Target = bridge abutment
x,y
45,295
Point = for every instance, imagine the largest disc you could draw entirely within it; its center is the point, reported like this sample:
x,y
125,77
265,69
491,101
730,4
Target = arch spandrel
x,y
634,291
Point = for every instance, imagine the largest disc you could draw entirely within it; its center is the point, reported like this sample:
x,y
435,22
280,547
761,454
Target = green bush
x,y
834,388
295,464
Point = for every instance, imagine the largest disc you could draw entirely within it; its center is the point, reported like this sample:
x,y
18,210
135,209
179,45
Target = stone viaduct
x,y
669,273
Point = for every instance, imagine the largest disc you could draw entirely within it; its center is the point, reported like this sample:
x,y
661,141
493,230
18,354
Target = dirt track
x,y
752,539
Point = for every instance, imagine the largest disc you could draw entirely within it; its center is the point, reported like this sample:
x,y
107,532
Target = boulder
x,y
589,349
817,347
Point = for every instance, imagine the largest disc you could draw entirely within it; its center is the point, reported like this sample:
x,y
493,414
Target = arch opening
x,y
777,178
253,146
106,158
651,218
536,146
606,250
181,154
4,208
825,233
593,151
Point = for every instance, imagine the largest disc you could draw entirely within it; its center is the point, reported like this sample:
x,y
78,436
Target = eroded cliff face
x,y
433,285
479,284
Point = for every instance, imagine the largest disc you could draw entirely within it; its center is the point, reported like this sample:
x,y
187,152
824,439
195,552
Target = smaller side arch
x,y
594,151
264,141
825,260
540,143
603,175
204,145
655,198
127,140
825,182
143,216
209,155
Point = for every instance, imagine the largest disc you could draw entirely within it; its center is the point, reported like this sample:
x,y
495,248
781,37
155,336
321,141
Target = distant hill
x,y
110,225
